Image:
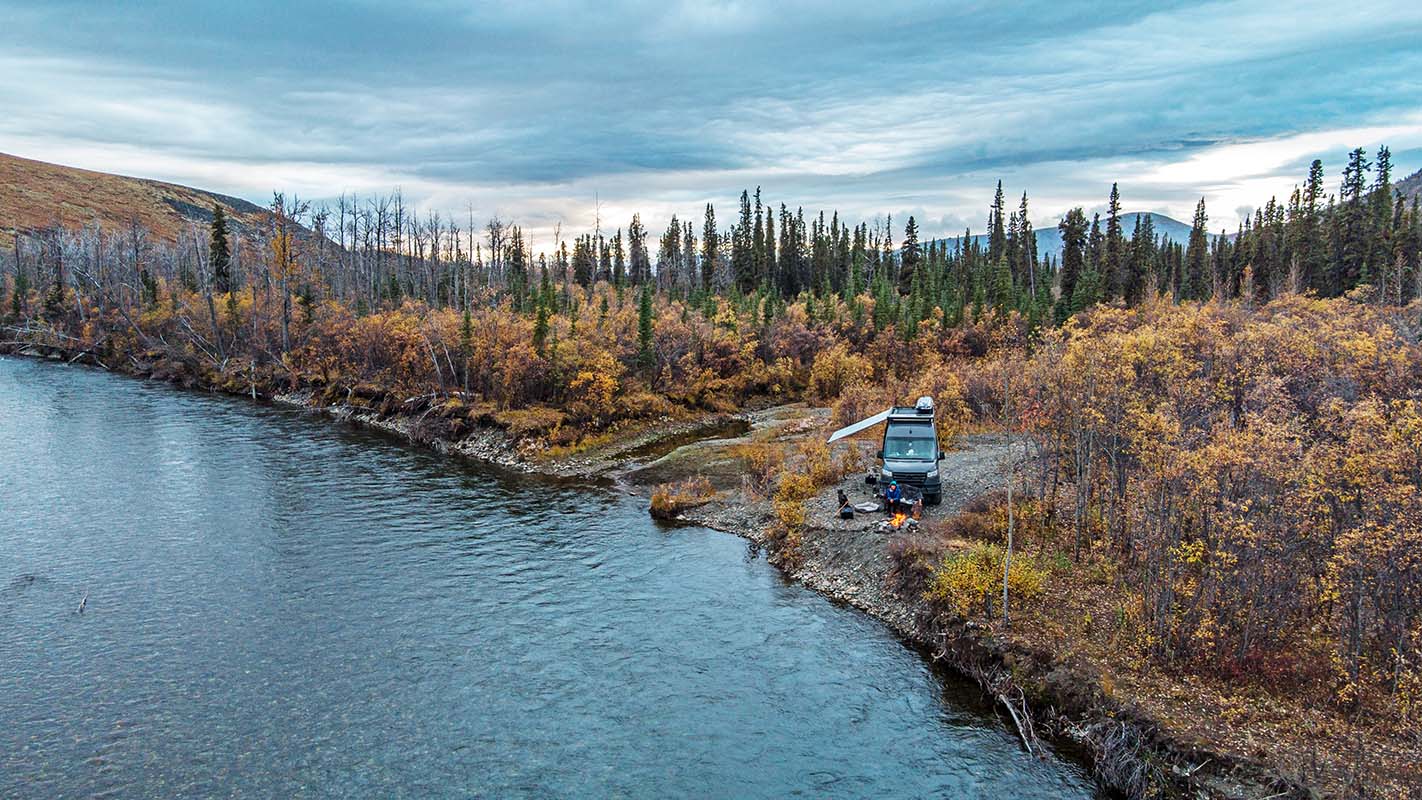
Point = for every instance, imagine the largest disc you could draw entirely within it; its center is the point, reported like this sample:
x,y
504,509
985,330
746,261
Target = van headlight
x,y
886,474
933,473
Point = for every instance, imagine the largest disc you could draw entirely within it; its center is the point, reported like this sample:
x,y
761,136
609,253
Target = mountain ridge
x,y
1049,239
38,194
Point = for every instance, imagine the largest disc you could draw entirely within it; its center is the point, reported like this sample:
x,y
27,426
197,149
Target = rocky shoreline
x,y
1129,753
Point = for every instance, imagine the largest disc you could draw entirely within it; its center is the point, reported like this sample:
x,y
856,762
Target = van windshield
x,y
909,447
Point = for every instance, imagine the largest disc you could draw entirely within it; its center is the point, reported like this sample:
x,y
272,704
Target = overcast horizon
x,y
554,115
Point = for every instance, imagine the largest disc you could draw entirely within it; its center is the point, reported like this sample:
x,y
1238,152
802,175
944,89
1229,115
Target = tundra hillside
x,y
1225,482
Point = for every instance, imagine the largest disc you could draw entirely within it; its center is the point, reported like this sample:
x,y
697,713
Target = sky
x,y
562,115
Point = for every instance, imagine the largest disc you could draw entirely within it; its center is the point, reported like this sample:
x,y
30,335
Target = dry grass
x,y
35,194
671,499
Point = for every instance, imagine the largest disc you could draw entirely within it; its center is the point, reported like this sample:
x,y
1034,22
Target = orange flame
x,y
898,519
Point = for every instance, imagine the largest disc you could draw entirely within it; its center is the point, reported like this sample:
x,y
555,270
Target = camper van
x,y
909,453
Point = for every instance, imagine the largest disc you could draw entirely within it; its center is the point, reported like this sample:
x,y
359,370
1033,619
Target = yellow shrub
x,y
763,461
973,577
794,487
951,407
821,470
790,514
836,369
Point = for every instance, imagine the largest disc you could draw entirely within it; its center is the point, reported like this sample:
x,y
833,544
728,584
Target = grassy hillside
x,y
35,194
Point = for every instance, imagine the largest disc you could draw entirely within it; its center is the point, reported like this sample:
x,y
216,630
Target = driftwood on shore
x,y
997,682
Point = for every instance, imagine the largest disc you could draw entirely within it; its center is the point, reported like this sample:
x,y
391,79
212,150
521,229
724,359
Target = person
x,y
892,496
846,511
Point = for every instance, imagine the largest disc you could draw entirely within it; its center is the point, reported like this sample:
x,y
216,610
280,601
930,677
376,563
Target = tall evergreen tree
x,y
619,260
997,235
999,289
584,261
1314,244
1351,228
219,255
669,256
709,241
646,358
910,255
1142,257
758,243
1073,231
1026,268
742,259
1113,270
772,264
1197,284
639,264
1380,258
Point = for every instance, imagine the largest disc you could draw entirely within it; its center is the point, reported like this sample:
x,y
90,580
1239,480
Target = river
x,y
280,606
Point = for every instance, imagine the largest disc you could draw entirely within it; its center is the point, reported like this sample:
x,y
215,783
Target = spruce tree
x,y
742,259
910,255
999,290
1087,291
604,269
758,242
709,241
1351,265
645,357
997,236
1025,271
1141,259
1314,245
54,298
584,259
619,261
1196,284
20,292
1380,224
669,256
640,265
1113,269
1073,231
219,256
772,268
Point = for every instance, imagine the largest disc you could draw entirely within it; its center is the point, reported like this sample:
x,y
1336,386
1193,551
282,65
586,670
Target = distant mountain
x,y
1411,186
36,194
1049,239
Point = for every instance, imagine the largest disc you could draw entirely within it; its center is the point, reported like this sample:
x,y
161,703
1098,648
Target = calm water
x,y
280,607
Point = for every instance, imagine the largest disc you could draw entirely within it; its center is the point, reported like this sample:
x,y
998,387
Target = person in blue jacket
x,y
892,497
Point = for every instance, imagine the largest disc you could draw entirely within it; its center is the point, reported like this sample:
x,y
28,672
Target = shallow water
x,y
282,607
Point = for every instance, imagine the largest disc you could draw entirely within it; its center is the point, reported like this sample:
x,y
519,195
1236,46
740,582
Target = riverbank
x,y
1133,751
850,561
1149,732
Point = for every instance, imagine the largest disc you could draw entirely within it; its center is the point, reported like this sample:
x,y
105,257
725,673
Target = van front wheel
x,y
933,499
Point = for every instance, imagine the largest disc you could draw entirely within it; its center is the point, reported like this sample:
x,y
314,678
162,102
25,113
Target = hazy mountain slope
x,y
1411,186
35,194
1049,240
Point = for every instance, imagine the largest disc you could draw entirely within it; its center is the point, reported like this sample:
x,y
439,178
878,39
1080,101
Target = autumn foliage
x,y
1257,474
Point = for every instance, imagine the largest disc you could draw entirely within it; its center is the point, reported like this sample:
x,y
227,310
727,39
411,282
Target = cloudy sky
x,y
545,112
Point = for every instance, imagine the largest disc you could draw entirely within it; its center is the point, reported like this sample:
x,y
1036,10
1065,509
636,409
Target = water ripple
x,y
278,606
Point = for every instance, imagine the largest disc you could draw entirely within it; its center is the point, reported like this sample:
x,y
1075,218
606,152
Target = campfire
x,y
897,522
